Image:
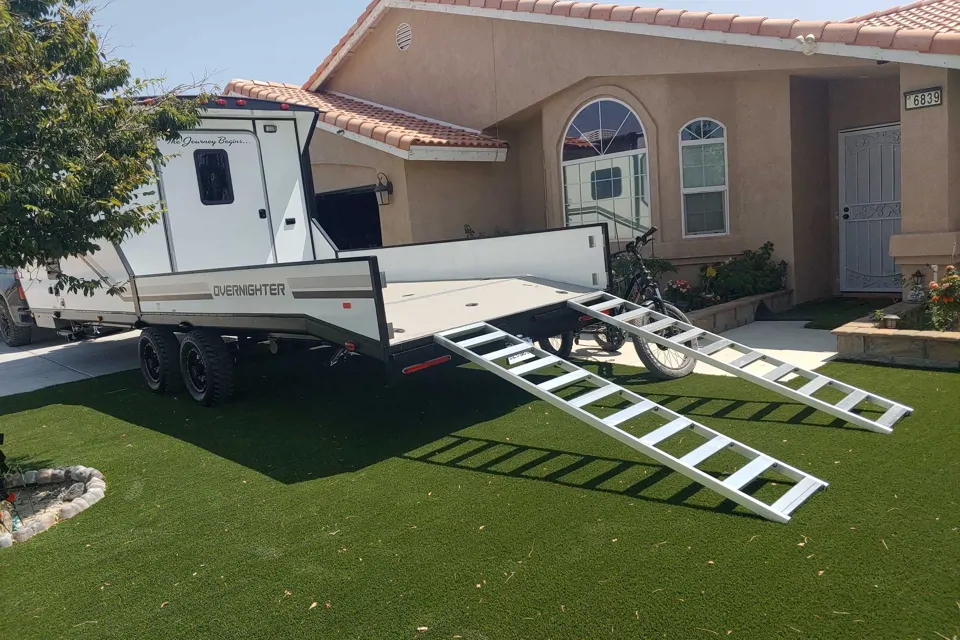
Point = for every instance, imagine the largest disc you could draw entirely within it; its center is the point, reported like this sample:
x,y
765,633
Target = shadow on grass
x,y
524,461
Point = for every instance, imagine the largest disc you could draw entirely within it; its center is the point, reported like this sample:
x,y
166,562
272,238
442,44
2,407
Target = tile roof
x,y
379,123
942,16
928,26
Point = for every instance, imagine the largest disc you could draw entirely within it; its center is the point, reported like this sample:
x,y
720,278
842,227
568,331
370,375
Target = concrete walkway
x,y
51,361
789,341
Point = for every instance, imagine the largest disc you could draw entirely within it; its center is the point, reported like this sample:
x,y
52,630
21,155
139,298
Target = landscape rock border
x,y
94,488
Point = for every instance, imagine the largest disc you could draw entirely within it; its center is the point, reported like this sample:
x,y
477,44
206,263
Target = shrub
x,y
750,274
944,304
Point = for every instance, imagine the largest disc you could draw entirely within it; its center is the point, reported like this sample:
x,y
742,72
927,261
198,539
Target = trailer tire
x,y
560,346
159,352
13,334
207,367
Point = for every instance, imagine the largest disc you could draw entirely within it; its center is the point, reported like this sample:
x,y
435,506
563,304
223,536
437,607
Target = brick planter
x,y
738,313
862,341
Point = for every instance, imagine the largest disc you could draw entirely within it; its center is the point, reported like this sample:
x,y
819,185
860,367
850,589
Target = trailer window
x,y
213,176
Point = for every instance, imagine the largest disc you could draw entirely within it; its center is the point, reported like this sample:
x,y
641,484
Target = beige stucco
x,y
476,71
783,113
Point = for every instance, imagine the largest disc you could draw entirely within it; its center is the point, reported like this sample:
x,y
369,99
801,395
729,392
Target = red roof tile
x,y
931,23
376,122
942,16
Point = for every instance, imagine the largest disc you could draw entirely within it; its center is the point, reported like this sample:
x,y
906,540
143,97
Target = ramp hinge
x,y
383,279
390,333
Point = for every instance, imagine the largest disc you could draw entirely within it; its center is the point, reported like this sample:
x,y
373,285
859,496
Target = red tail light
x,y
20,292
350,346
426,365
241,103
285,107
221,101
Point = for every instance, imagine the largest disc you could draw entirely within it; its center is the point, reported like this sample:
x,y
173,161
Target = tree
x,y
78,142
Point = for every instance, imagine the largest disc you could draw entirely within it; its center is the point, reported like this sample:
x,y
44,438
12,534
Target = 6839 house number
x,y
932,97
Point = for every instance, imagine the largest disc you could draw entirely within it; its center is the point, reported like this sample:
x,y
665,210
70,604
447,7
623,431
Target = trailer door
x,y
217,209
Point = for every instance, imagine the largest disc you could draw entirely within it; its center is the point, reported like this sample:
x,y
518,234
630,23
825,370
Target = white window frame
x,y
645,152
726,179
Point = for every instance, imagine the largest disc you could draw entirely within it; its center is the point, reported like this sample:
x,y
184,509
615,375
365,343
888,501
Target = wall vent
x,y
404,36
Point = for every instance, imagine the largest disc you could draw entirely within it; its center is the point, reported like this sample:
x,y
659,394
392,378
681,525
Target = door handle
x,y
263,214
846,216
291,221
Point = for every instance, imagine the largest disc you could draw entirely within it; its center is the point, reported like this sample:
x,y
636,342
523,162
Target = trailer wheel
x,y
159,352
560,346
207,367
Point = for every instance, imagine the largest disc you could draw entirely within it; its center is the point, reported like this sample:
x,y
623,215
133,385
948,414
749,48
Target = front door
x,y
870,208
217,214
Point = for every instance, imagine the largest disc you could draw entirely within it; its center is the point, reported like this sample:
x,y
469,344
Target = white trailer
x,y
238,255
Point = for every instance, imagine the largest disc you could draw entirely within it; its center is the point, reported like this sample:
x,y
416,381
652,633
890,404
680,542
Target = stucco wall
x,y
338,163
444,196
814,275
476,71
755,109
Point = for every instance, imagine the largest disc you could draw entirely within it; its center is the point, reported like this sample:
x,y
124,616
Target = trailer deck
x,y
421,309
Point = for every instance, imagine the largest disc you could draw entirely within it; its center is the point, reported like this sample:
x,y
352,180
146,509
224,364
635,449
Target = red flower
x,y
934,285
935,298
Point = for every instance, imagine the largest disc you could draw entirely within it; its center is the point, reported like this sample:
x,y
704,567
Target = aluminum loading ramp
x,y
485,345
704,346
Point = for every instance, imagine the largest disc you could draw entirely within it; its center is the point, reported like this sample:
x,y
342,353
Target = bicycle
x,y
662,362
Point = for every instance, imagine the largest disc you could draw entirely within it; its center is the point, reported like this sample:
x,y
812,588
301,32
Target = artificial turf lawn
x,y
833,312
455,502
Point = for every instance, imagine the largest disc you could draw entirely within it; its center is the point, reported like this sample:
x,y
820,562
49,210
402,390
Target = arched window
x,y
605,169
703,180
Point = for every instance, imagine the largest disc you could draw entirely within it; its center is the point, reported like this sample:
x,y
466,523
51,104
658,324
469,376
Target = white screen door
x,y
216,204
870,208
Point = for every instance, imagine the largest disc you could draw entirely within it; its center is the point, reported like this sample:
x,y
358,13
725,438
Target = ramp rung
x,y
749,358
788,502
687,336
605,306
659,325
814,385
459,331
565,380
780,372
707,449
484,339
509,351
632,315
630,412
666,431
713,347
749,472
893,414
593,396
530,367
852,400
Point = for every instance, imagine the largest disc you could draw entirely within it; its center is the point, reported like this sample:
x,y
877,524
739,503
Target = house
x,y
838,141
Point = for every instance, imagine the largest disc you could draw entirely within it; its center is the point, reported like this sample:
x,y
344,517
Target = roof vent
x,y
404,36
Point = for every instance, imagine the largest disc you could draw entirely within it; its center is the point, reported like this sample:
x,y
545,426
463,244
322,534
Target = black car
x,y
16,323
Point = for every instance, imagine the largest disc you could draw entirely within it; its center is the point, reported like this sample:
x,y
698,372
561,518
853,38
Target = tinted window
x,y
213,176
606,183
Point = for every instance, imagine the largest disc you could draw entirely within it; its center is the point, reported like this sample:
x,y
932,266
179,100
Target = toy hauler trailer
x,y
237,254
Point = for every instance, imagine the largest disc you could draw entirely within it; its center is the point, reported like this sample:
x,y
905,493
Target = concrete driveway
x,y
51,361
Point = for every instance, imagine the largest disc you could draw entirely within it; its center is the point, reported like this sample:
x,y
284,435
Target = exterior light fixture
x,y
383,190
917,294
918,278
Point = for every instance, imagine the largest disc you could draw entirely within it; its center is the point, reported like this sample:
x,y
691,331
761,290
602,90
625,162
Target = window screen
x,y
213,176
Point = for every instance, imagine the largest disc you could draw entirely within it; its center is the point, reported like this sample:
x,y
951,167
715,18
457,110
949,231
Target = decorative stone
x,y
90,498
96,493
6,540
80,502
43,476
44,522
29,477
69,510
95,473
13,480
23,534
97,484
80,474
57,475
74,492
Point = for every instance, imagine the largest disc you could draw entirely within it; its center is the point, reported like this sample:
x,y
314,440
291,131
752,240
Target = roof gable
x,y
852,38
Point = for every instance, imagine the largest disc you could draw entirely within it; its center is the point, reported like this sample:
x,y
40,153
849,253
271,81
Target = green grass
x,y
834,312
456,503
